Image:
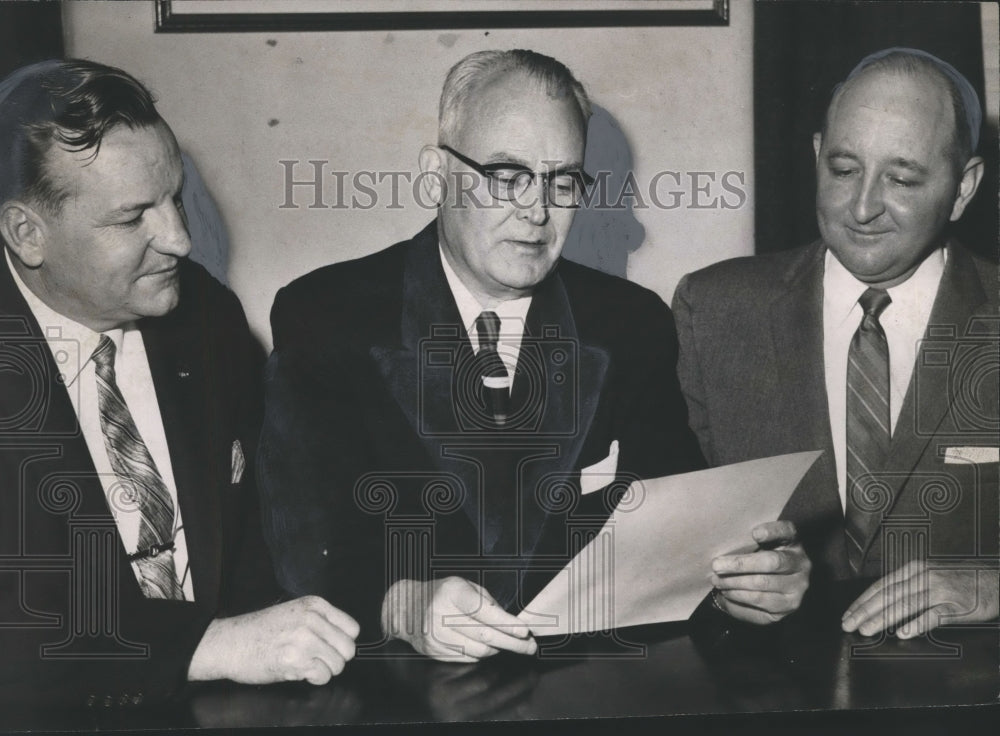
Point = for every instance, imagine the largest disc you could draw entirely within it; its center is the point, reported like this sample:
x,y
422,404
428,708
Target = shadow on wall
x,y
602,237
209,239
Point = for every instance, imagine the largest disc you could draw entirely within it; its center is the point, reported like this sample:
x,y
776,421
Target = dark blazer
x,y
751,367
369,472
75,627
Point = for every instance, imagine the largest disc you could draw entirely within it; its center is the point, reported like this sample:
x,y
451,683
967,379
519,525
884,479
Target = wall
x,y
240,103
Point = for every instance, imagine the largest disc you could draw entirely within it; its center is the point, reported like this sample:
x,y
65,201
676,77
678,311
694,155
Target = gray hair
x,y
475,70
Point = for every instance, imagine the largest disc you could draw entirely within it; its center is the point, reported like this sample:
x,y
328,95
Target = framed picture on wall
x,y
223,16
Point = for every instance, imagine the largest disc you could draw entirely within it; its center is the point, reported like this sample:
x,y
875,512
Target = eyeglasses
x,y
509,181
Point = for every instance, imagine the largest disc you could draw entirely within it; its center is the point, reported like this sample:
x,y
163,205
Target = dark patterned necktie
x,y
868,424
136,471
495,388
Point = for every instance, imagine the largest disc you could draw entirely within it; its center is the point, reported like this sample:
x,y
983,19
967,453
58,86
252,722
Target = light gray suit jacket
x,y
751,368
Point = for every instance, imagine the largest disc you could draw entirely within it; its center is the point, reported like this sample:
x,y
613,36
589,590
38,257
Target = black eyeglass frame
x,y
489,172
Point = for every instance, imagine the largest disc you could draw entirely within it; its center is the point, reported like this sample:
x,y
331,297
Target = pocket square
x,y
595,477
239,462
973,454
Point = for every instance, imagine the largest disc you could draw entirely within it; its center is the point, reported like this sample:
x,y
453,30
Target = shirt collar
x,y
841,289
71,343
469,307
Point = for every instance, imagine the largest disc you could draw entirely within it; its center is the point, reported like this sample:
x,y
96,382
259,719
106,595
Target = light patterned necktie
x,y
868,424
135,469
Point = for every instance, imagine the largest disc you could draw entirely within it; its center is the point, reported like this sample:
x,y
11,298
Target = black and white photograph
x,y
519,366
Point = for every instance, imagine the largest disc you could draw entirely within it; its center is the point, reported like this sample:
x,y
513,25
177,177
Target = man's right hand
x,y
304,639
452,620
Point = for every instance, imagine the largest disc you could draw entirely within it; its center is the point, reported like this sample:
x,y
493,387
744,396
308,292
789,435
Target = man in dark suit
x,y
130,552
820,348
447,419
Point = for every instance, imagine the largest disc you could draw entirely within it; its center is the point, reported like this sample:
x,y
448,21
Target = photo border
x,y
169,21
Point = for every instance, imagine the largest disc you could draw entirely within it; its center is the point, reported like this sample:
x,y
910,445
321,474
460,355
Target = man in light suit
x,y
442,415
131,558
820,348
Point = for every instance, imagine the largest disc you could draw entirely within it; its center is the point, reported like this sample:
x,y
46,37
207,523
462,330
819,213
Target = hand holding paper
x,y
766,585
652,561
452,619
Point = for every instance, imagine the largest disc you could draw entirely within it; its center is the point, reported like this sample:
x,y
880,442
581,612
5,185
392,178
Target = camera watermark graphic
x,y
543,385
38,368
418,511
958,370
81,574
935,547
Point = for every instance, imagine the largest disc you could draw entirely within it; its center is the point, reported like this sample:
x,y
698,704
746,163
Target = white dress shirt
x,y
904,322
72,346
512,314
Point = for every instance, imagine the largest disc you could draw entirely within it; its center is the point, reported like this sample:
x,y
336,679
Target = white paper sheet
x,y
652,560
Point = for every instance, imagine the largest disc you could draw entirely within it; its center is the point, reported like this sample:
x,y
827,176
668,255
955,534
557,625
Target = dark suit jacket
x,y
370,474
751,367
75,627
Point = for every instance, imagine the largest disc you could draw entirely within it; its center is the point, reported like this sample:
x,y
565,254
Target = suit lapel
x,y
425,369
559,383
931,393
802,404
33,394
419,367
179,378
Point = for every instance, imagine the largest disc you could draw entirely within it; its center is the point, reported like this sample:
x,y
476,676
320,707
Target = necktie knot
x,y
874,302
104,354
488,330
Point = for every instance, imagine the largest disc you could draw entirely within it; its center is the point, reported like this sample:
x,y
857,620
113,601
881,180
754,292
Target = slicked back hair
x,y
72,104
476,70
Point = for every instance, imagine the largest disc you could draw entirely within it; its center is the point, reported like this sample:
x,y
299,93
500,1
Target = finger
x,y
872,597
459,648
928,620
335,616
317,648
750,583
476,631
306,657
334,636
488,612
450,655
317,673
775,533
791,586
767,602
897,603
747,613
765,561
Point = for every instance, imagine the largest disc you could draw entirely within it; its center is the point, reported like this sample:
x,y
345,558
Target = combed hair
x,y
73,104
913,65
477,69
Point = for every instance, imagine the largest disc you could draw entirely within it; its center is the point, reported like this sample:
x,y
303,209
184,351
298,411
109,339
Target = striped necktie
x,y
136,471
868,425
495,379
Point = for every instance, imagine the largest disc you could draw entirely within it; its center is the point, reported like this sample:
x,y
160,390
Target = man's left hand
x,y
764,586
924,598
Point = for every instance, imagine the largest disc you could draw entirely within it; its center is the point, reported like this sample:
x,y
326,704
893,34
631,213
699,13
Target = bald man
x,y
877,344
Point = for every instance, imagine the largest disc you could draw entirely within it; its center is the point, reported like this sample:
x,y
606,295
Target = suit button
x,y
123,700
108,701
91,699
137,699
